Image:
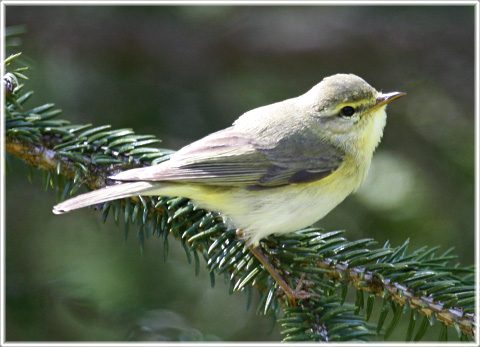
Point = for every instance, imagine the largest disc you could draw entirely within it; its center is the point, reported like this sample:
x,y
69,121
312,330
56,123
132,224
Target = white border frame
x,y
3,5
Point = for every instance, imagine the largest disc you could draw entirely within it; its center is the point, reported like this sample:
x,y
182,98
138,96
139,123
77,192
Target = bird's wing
x,y
230,158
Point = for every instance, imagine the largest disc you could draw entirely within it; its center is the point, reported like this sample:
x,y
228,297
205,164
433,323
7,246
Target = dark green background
x,y
181,72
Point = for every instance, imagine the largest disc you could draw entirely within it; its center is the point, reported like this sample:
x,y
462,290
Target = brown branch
x,y
399,293
40,155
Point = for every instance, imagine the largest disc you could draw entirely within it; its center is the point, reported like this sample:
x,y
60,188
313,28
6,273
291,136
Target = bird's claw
x,y
299,294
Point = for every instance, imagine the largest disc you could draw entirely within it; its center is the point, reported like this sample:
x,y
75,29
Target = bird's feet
x,y
292,295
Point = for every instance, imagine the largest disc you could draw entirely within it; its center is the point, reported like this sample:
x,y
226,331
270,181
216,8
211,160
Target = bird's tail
x,y
109,193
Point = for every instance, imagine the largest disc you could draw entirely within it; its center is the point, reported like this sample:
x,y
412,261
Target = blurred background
x,y
181,72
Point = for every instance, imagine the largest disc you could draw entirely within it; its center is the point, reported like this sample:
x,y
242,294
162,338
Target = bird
x,y
278,168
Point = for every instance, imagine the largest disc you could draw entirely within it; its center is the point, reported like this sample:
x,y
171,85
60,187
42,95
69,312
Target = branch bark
x,y
366,280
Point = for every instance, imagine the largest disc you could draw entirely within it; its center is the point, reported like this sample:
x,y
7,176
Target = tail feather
x,y
109,193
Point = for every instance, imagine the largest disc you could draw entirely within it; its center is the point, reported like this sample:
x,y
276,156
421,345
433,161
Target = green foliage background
x,y
182,72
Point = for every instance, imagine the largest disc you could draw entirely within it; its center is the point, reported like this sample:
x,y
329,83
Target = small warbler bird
x,y
277,169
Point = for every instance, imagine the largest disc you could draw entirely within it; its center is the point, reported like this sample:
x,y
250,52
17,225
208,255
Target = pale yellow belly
x,y
271,211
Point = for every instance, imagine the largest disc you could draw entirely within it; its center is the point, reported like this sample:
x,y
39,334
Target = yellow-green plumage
x,y
278,168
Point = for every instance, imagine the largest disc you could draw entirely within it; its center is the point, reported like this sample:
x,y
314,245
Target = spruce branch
x,y
401,293
323,262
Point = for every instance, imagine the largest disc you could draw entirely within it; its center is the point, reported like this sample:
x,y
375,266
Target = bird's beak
x,y
386,98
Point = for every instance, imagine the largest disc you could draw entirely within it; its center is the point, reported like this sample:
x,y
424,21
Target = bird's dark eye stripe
x,y
347,111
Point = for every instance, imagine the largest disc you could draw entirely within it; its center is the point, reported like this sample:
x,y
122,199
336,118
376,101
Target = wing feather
x,y
230,158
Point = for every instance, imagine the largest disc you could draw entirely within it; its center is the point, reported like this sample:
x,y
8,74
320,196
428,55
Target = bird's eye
x,y
347,111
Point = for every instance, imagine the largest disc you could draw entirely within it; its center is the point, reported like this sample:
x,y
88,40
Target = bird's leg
x,y
292,295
